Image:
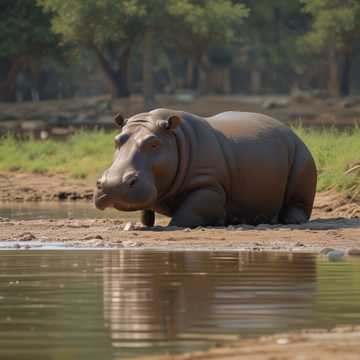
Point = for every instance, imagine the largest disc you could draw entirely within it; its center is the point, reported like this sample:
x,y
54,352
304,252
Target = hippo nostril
x,y
132,181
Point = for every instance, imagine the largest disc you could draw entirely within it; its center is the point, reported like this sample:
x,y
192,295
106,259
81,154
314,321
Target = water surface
x,y
112,304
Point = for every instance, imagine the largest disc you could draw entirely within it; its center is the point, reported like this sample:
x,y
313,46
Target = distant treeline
x,y
62,48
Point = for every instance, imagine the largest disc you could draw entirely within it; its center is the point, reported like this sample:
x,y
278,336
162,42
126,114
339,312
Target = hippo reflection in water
x,y
232,168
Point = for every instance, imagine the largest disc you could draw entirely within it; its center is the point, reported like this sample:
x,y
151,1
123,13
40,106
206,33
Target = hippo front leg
x,y
205,207
148,217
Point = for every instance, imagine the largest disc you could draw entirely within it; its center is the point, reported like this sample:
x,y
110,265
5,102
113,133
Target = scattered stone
x,y
275,103
92,237
187,229
335,255
173,228
247,227
26,236
129,226
282,341
354,252
326,250
299,244
132,243
263,227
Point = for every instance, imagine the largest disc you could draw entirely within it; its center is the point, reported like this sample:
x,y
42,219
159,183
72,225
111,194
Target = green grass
x,y
335,152
83,154
87,153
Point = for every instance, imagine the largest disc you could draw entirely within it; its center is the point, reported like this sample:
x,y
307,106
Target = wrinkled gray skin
x,y
232,168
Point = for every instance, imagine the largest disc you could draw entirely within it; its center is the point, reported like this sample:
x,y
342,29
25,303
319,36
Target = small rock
x,y
262,227
26,236
247,227
282,341
326,250
129,226
92,237
299,244
132,243
187,229
354,252
172,228
335,255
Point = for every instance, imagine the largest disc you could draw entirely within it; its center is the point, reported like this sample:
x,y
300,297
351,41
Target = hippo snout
x,y
128,191
113,184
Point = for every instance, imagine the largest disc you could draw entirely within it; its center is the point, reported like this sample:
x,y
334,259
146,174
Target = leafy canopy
x,y
335,22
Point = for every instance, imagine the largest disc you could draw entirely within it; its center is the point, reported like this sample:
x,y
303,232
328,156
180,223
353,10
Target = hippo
x,y
229,169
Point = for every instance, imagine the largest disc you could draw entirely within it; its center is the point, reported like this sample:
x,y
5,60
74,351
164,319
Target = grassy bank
x,y
88,153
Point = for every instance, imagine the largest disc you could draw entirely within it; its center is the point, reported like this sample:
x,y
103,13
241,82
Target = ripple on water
x,y
116,304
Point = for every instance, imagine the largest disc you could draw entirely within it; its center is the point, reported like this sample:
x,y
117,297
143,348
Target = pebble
x,y
354,252
299,244
132,243
335,255
247,227
326,250
26,236
263,227
282,341
187,229
129,226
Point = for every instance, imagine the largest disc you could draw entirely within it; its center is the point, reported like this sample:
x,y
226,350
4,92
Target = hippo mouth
x,y
103,201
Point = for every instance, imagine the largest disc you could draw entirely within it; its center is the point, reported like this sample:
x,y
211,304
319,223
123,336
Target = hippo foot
x,y
294,215
148,217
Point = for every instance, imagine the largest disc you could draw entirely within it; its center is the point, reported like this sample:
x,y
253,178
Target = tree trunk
x,y
9,70
204,85
255,80
333,81
345,73
118,80
35,76
147,70
189,82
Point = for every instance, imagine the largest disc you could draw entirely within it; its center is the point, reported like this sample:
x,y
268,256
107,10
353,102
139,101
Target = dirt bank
x,y
335,223
340,343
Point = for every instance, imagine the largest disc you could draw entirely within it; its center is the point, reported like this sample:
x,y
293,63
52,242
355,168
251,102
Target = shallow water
x,y
79,304
61,210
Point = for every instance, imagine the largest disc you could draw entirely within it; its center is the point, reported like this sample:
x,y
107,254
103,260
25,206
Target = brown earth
x,y
335,223
341,343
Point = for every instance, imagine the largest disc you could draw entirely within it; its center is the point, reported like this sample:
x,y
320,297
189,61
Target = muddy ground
x,y
341,343
335,223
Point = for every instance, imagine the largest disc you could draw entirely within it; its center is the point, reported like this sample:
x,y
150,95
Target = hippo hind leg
x,y
294,214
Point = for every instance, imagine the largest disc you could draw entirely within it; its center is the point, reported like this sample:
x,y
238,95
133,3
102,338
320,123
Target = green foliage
x,y
25,29
89,22
210,20
335,22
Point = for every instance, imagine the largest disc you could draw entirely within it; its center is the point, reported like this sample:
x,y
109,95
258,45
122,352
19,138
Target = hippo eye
x,y
152,143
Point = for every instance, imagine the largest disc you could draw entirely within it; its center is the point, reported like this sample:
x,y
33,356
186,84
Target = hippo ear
x,y
119,120
172,122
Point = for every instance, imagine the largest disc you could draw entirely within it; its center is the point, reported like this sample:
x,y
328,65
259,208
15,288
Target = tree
x,y
334,31
108,28
25,39
195,26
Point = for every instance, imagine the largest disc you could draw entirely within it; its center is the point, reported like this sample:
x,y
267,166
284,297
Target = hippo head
x,y
145,162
